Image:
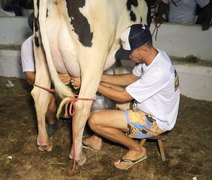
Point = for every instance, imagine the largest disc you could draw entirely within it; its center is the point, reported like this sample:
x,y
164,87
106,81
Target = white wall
x,y
176,39
184,40
14,30
10,63
195,81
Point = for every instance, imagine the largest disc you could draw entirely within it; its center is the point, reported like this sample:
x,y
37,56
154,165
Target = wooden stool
x,y
159,139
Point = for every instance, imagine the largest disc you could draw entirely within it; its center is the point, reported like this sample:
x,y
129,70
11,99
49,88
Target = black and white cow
x,y
79,37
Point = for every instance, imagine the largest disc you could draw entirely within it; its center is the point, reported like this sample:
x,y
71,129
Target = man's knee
x,y
93,120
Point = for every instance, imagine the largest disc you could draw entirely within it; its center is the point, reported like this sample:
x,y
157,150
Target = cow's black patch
x,y
37,41
38,4
129,5
79,22
132,16
36,24
36,17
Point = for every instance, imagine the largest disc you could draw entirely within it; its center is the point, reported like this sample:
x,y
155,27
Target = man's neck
x,y
151,56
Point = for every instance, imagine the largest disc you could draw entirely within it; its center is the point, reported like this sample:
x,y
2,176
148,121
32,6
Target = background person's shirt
x,y
27,55
183,11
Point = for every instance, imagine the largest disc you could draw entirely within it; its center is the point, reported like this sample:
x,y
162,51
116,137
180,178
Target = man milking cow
x,y
135,123
154,87
74,37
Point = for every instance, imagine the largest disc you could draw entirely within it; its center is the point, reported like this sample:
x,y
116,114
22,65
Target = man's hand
x,y
162,7
205,26
159,20
75,82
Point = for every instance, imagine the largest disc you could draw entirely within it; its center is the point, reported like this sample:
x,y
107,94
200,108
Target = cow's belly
x,y
62,49
65,61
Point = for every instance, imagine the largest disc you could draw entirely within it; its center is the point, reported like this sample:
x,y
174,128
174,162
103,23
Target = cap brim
x,y
122,54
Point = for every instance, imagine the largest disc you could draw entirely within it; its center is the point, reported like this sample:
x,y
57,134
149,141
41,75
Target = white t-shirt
x,y
156,92
27,55
183,11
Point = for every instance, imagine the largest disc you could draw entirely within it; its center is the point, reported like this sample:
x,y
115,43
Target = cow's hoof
x,y
47,148
81,161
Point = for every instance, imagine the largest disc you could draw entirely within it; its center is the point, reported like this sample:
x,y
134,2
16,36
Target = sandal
x,y
125,164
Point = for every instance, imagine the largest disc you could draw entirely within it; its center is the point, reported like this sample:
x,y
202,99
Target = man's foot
x,y
52,128
93,143
130,159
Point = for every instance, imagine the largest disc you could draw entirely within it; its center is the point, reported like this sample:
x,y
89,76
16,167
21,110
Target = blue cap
x,y
132,38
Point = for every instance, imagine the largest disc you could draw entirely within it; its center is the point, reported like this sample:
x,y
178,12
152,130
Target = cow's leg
x,y
79,121
89,85
41,99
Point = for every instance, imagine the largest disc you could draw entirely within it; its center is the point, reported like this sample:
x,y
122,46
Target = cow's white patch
x,y
124,39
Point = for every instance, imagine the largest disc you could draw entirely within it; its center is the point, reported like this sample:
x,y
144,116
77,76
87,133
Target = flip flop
x,y
128,163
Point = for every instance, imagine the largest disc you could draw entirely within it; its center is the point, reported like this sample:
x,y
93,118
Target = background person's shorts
x,y
141,125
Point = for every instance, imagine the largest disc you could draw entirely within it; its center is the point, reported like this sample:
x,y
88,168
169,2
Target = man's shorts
x,y
141,125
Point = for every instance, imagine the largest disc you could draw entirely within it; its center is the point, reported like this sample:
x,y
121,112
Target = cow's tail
x,y
62,104
62,90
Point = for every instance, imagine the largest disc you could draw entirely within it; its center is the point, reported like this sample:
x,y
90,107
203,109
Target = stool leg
x,y
142,142
162,153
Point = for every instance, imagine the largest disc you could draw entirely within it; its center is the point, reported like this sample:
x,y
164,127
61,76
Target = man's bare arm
x,y
120,80
115,93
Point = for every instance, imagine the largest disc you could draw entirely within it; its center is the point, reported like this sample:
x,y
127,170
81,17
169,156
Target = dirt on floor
x,y
188,147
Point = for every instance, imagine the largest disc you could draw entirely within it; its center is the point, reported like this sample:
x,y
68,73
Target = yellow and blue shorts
x,y
141,125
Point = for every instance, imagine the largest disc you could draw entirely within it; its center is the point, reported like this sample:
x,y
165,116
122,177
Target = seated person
x,y
154,87
28,65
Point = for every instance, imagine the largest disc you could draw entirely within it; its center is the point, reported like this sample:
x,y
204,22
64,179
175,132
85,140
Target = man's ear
x,y
143,48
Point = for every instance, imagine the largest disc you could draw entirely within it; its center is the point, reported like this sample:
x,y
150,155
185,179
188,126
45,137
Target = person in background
x,y
17,6
153,85
28,66
28,4
183,11
202,15
13,6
